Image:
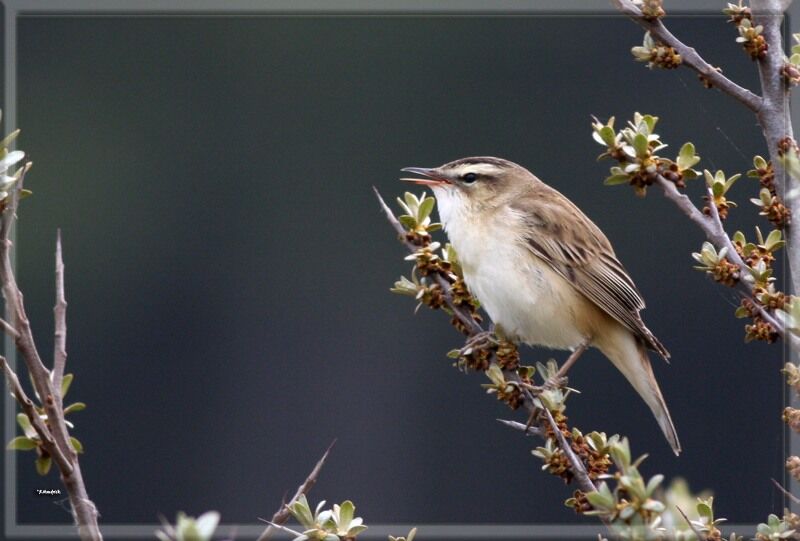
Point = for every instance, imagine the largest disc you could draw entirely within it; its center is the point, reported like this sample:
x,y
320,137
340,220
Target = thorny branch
x,y
282,515
473,329
771,109
715,232
83,509
690,57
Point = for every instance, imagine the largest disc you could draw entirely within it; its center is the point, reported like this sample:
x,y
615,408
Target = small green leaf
x,y
302,512
26,426
615,180
650,122
654,506
43,464
704,510
355,530
66,381
653,484
346,512
403,205
9,138
76,444
425,208
730,181
21,443
409,222
72,408
686,157
773,238
640,145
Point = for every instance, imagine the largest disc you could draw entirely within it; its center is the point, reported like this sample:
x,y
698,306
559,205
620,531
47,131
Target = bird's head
x,y
478,181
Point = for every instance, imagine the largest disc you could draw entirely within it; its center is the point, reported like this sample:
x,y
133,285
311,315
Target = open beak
x,y
434,178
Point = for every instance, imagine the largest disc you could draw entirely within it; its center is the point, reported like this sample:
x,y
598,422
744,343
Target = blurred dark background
x,y
228,268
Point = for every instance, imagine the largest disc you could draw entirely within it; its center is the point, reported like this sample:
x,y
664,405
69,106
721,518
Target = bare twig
x,y
690,57
697,532
60,313
788,494
282,514
577,466
83,509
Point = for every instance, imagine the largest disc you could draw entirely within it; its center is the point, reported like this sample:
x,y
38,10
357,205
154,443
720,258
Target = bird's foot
x,y
478,341
555,382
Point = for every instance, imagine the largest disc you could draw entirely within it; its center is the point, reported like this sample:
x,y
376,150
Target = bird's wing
x,y
561,235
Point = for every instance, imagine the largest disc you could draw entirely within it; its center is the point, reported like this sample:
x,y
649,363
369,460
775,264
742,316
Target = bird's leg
x,y
561,375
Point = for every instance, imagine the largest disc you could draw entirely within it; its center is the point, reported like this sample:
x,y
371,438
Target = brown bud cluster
x,y
673,174
597,464
726,272
774,301
418,238
723,207
427,262
640,183
477,359
777,213
790,74
706,81
559,465
432,296
792,372
459,325
785,145
750,307
792,520
652,10
561,423
758,254
665,57
512,396
760,330
791,417
740,14
756,46
507,355
579,502
793,467
463,298
766,177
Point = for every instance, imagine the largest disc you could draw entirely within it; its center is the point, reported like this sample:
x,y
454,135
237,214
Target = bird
x,y
542,270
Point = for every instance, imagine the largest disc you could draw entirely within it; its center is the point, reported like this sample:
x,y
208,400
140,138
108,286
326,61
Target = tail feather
x,y
629,355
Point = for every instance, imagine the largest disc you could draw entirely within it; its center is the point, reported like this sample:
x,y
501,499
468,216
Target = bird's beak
x,y
435,178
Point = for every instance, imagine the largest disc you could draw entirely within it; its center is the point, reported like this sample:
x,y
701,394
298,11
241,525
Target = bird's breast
x,y
520,292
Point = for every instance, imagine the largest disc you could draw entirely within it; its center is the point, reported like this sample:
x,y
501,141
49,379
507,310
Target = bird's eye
x,y
469,178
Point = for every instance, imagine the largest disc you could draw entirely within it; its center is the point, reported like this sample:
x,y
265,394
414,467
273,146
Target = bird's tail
x,y
629,355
